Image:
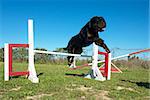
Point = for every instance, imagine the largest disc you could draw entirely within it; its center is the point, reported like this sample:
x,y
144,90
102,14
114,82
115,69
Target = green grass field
x,y
60,83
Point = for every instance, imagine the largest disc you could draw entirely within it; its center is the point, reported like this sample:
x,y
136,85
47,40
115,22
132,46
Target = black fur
x,y
87,35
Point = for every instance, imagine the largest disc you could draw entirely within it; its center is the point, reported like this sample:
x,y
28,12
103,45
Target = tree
x,y
20,54
1,54
42,58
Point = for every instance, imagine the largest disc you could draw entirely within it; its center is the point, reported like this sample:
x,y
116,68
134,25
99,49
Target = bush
x,y
133,63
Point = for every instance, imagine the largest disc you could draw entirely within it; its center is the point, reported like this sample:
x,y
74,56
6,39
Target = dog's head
x,y
97,23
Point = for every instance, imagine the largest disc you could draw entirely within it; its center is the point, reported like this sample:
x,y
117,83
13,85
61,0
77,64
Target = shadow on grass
x,y
26,77
11,77
40,74
142,84
78,75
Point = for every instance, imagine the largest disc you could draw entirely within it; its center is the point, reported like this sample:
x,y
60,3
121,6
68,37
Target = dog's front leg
x,y
100,42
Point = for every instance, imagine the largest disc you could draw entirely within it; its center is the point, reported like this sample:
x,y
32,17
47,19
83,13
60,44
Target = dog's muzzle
x,y
101,29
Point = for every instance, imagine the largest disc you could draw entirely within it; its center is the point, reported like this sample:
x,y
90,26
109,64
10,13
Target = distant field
x,y
59,83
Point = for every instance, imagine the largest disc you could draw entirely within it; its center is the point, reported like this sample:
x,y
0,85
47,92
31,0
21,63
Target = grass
x,y
57,82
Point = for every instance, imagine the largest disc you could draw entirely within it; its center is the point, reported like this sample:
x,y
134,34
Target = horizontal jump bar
x,y
118,57
60,53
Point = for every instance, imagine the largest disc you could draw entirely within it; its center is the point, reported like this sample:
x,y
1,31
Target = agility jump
x,y
96,74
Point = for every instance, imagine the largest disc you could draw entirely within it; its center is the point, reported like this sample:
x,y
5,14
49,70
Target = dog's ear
x,y
92,21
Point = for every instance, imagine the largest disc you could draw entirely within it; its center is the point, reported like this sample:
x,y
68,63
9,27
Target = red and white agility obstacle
x,y
94,73
8,72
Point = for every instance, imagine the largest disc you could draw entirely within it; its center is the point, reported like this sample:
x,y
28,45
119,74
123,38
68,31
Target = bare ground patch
x,y
124,88
147,98
102,95
98,94
37,97
15,89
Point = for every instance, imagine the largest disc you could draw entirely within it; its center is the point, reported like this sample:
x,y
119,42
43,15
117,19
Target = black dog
x,y
87,35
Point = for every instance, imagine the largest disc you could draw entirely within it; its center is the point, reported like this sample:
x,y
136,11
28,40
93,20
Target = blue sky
x,y
56,21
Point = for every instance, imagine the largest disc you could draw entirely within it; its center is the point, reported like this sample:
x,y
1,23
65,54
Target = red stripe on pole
x,y
19,45
82,66
112,69
19,73
146,50
106,65
10,59
102,53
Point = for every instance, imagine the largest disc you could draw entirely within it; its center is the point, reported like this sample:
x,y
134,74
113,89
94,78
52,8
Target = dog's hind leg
x,y
71,61
69,58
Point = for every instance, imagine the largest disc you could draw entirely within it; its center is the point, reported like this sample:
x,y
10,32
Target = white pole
x,y
96,71
94,57
6,62
74,62
32,72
